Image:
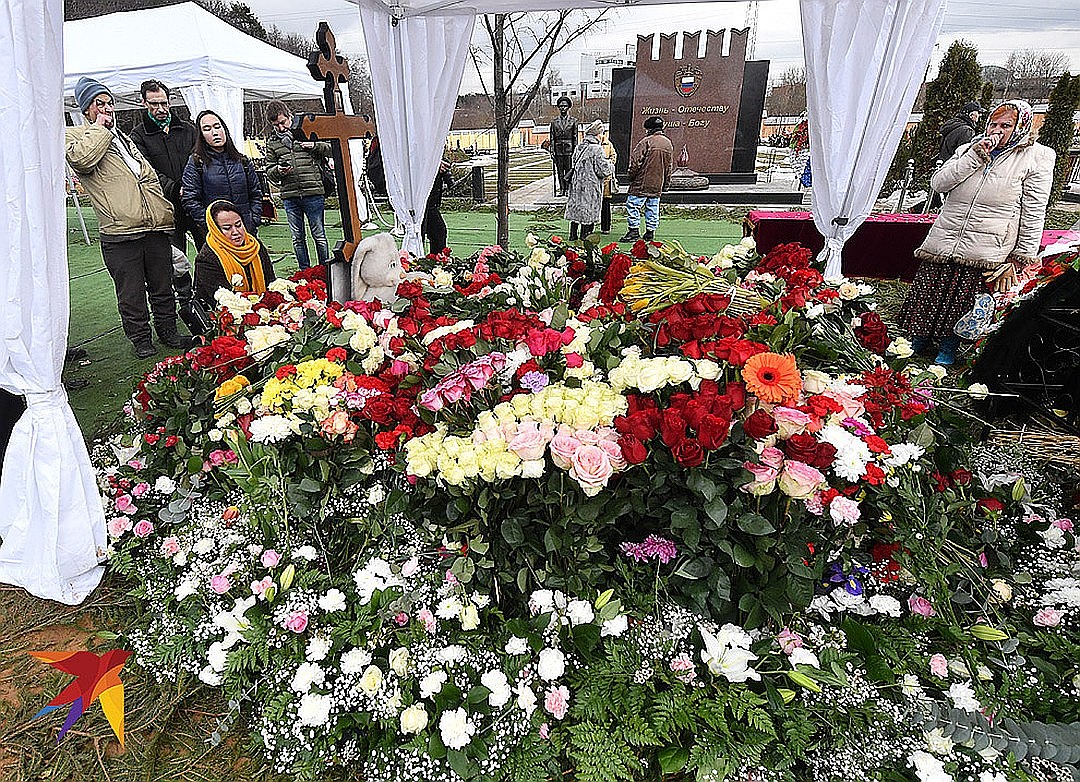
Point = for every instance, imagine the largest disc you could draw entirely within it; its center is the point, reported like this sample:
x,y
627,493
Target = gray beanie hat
x,y
595,128
86,89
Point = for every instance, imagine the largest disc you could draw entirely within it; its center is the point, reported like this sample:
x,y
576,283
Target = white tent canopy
x,y
868,57
213,64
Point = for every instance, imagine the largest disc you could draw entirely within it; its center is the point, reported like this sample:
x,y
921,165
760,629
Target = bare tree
x,y
788,94
522,46
1032,73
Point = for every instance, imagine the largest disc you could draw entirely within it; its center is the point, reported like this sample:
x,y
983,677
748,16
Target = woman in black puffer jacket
x,y
217,171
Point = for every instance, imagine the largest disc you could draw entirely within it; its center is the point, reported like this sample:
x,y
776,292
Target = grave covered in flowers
x,y
598,515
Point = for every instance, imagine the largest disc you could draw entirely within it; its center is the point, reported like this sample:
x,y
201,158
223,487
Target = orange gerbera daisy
x,y
772,377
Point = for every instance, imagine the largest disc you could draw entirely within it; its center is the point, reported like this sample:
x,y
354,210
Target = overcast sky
x,y
995,27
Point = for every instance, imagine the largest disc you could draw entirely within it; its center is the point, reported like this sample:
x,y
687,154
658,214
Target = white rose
x,y
800,655
414,719
526,699
399,661
551,664
848,291
469,617
314,709
978,390
371,680
706,369
900,348
815,381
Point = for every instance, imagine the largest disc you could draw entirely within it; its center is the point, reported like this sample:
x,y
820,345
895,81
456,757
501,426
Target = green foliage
x,y
1058,131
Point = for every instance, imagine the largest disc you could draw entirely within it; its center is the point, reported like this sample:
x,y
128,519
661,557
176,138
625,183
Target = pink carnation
x,y
939,666
789,640
118,526
557,701
1047,617
427,619
1065,525
844,510
140,489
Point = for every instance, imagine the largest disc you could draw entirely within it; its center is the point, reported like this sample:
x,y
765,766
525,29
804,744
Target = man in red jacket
x,y
650,174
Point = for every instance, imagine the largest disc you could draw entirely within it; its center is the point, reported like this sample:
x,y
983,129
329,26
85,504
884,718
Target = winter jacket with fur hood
x,y
994,207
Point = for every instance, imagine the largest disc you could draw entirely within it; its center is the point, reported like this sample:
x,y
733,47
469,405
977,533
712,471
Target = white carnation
x,y
551,664
500,688
456,729
314,709
354,661
306,675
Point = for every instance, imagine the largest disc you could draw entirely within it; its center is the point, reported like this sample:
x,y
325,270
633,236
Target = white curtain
x,y
51,518
865,60
416,65
224,100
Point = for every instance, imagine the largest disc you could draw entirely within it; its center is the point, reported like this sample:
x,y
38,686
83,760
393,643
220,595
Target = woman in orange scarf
x,y
231,258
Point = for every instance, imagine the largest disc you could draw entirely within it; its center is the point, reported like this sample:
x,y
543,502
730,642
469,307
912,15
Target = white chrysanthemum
x,y
306,675
456,729
354,661
270,429
963,697
314,709
448,608
904,453
164,485
262,338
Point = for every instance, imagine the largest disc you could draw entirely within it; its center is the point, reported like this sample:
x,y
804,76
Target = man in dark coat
x,y
296,166
166,141
649,171
564,137
959,130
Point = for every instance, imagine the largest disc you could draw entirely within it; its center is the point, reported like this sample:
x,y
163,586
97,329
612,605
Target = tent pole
x,y
399,50
75,197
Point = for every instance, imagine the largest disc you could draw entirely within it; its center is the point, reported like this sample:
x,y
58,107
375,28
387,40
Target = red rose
x,y
337,355
713,431
872,332
941,482
990,505
672,428
805,448
151,439
689,453
759,425
633,450
409,290
960,476
171,440
379,409
250,319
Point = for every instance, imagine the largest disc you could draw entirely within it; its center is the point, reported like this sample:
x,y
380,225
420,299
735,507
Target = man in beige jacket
x,y
134,219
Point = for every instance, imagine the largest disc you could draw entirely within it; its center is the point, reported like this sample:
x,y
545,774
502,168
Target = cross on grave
x,y
338,128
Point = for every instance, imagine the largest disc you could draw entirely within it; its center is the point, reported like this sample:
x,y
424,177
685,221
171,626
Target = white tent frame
x,y
865,61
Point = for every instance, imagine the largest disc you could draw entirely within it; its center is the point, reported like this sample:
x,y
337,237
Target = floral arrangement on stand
x,y
613,515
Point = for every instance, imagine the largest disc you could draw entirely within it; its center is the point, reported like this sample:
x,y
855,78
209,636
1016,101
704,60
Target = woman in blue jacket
x,y
217,171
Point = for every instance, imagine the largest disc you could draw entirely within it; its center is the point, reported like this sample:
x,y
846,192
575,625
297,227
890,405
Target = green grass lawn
x,y
112,369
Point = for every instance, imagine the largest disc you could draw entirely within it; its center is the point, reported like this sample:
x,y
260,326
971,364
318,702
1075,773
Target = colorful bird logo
x,y
97,677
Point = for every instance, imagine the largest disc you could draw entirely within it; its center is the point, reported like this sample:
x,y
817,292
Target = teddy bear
x,y
376,269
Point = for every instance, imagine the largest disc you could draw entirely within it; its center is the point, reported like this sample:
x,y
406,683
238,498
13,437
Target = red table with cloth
x,y
883,246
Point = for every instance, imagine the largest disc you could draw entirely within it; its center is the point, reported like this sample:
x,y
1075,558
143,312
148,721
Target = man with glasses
x,y
166,141
296,166
134,218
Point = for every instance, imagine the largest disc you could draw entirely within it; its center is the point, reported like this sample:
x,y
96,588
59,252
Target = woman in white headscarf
x,y
589,169
996,190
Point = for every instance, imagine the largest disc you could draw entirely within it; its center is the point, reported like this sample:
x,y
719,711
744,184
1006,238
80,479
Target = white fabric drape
x,y
51,518
865,60
416,65
224,100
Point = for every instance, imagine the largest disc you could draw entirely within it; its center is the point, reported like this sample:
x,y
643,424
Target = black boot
x,y
171,338
647,236
631,235
145,349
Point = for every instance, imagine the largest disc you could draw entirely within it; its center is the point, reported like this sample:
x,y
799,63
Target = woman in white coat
x,y
996,190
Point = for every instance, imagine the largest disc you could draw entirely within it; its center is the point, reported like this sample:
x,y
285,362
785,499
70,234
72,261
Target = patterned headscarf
x,y
1024,115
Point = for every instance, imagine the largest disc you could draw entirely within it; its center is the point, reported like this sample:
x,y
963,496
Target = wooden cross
x,y
337,127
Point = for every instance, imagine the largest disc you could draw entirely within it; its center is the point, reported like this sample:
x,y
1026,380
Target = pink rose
x,y
1047,617
427,619
140,489
920,605
983,561
586,437
799,480
401,618
399,367
844,510
615,454
557,701
136,464
939,666
217,458
590,467
431,400
574,360
124,504
410,566
789,640
772,457
563,448
764,479
231,457
297,621
454,388
220,584
528,444
1064,524
118,526
143,529
270,558
259,587
170,547
790,421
